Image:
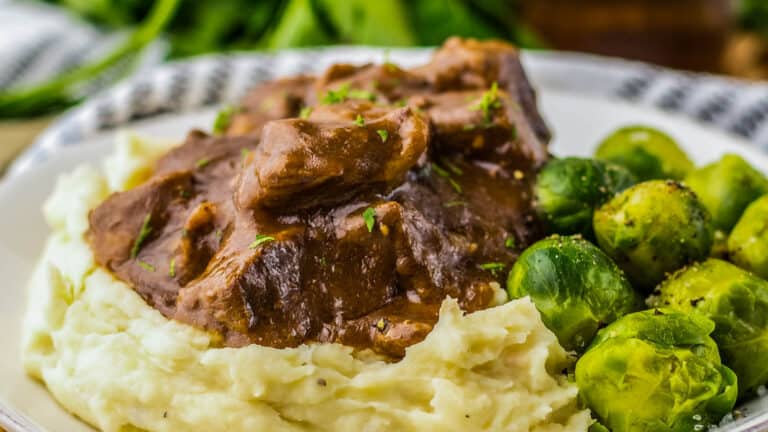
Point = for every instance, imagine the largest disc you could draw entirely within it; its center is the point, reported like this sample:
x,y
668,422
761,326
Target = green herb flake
x,y
442,172
202,162
336,96
454,169
244,153
469,127
401,103
172,268
223,119
146,266
144,232
493,267
369,216
489,102
305,112
383,134
260,240
360,121
455,185
362,94
509,243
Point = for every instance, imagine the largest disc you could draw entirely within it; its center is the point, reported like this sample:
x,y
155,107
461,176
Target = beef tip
x,y
471,64
201,151
272,100
485,125
303,163
386,83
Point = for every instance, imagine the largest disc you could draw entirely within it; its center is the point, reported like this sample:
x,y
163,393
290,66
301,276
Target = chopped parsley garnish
x,y
343,93
382,324
147,266
144,232
455,185
450,204
383,134
244,152
369,216
469,127
223,119
336,96
509,243
401,103
172,268
454,169
219,234
493,267
442,172
489,103
260,240
202,162
362,94
305,112
359,120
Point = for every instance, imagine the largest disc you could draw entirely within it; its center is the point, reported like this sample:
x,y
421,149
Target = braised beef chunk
x,y
270,101
306,163
349,224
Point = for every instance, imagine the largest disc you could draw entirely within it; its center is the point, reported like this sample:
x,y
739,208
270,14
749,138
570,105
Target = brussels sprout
x,y
653,228
568,190
726,188
649,153
574,285
737,301
748,243
656,370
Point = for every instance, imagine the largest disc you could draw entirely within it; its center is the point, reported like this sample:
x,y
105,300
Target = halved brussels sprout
x,y
649,153
568,190
653,228
574,285
737,301
726,188
748,243
656,370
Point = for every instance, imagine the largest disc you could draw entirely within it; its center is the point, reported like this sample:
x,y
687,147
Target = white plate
x,y
578,123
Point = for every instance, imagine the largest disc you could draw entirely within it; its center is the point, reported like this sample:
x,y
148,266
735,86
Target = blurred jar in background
x,y
685,34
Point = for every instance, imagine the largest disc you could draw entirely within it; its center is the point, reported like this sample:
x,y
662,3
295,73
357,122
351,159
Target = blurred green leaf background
x,y
222,25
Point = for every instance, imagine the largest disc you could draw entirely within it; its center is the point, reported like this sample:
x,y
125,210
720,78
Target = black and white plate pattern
x,y
737,107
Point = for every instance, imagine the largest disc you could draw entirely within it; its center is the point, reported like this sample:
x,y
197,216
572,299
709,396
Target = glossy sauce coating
x,y
351,224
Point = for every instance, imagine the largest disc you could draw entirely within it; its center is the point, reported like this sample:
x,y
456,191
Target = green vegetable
x,y
369,216
305,112
656,370
489,103
568,190
144,232
647,152
748,243
62,90
726,188
260,240
360,121
383,134
574,285
737,301
652,229
223,119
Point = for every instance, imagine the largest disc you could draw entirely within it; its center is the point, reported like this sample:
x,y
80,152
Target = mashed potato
x,y
117,363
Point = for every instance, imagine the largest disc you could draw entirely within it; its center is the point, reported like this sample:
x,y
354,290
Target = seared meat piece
x,y
270,101
462,64
309,163
482,124
385,83
349,225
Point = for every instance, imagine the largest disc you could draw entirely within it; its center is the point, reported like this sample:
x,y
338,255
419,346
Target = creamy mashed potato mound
x,y
118,364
